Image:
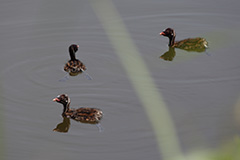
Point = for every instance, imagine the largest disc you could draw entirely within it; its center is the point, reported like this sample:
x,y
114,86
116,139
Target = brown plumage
x,y
191,44
84,115
74,66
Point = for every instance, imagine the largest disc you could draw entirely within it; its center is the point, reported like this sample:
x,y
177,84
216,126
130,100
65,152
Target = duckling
x,y
84,115
74,66
191,44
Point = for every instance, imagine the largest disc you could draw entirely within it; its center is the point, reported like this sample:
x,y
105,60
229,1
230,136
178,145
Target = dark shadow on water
x,y
64,126
171,53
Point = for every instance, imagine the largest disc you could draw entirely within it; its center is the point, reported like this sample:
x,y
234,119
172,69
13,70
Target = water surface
x,y
200,89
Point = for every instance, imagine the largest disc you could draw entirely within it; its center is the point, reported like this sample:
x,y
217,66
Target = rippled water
x,y
200,89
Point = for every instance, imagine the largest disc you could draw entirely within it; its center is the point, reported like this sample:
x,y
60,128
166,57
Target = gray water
x,y
200,89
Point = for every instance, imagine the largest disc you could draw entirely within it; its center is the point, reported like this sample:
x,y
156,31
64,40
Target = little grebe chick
x,y
84,115
191,44
74,66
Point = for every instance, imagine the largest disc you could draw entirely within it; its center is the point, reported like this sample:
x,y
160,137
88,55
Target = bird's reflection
x,y
63,126
169,55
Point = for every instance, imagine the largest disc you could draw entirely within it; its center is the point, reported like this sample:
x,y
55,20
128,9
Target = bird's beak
x,y
55,99
162,33
77,46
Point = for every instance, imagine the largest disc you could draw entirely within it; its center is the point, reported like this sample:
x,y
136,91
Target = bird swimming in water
x,y
191,44
83,114
74,66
